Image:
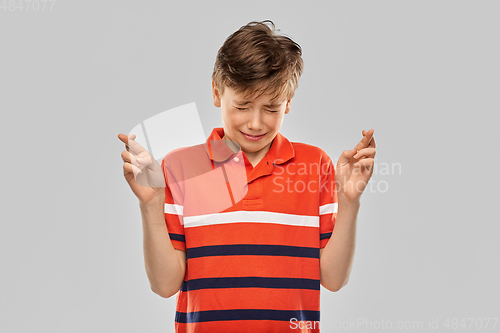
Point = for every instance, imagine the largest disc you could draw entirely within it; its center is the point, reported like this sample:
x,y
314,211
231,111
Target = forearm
x,y
162,264
338,254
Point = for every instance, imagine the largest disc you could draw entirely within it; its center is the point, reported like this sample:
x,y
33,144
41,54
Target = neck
x,y
230,144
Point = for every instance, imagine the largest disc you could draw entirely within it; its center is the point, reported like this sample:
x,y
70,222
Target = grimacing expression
x,y
253,117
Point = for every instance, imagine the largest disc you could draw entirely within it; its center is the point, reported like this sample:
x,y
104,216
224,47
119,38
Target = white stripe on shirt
x,y
173,209
328,208
251,216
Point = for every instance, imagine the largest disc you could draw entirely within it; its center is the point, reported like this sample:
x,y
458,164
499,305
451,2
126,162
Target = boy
x,y
241,227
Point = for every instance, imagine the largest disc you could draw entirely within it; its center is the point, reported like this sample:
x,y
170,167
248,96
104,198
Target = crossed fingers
x,y
366,147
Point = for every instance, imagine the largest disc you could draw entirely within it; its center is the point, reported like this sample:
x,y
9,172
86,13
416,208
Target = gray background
x,y
423,74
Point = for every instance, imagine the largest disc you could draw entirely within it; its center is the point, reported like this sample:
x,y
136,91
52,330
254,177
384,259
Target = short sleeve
x,y
328,202
173,210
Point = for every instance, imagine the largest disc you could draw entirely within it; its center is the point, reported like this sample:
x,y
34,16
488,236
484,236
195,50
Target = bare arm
x,y
165,265
336,258
354,169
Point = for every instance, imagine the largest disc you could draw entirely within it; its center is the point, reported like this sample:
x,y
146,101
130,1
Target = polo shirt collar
x,y
280,152
216,148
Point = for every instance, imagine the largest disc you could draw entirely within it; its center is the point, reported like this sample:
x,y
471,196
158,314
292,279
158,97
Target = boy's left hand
x,y
354,169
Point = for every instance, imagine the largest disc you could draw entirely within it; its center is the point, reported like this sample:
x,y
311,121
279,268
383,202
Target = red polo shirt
x,y
252,235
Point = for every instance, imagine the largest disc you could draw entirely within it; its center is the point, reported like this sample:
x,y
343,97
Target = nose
x,y
255,122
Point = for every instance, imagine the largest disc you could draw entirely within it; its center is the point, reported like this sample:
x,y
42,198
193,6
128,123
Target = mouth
x,y
253,136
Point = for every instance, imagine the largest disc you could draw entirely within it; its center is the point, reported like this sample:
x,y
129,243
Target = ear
x,y
216,95
288,106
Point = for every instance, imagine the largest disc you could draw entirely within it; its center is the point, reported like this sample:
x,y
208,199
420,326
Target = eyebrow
x,y
247,102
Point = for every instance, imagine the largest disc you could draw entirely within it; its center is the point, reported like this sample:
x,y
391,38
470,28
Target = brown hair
x,y
255,60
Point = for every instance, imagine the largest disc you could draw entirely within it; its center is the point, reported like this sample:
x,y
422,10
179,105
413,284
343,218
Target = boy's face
x,y
255,116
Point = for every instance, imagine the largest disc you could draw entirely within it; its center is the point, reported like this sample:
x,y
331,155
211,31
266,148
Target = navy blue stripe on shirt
x,y
252,249
325,235
250,282
246,314
177,237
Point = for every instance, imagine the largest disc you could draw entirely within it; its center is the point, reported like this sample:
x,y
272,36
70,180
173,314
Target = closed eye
x,y
243,109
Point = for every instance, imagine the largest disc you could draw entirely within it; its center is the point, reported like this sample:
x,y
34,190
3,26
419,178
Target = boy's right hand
x,y
142,171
